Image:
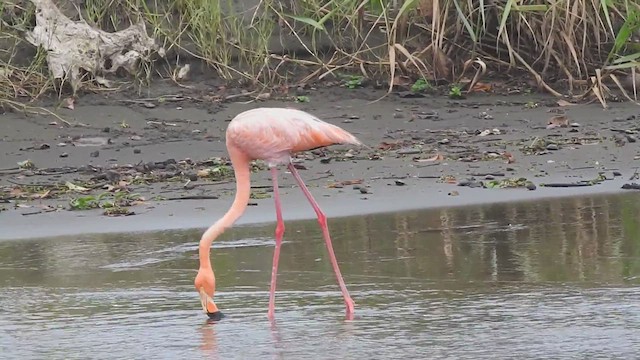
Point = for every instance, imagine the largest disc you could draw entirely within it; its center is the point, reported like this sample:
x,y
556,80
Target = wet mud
x,y
127,162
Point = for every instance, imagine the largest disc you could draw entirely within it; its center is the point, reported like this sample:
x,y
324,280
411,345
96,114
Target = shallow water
x,y
549,279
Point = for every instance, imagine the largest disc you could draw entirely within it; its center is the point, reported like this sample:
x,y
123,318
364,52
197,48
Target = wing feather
x,y
274,133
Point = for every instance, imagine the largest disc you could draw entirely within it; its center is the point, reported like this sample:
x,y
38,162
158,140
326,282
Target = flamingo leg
x,y
276,252
322,220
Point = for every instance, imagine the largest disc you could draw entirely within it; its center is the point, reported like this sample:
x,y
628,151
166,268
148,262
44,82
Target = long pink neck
x,y
243,189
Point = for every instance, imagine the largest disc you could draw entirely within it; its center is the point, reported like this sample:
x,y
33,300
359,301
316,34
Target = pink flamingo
x,y
270,134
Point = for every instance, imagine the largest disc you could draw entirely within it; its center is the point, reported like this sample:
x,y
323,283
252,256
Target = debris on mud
x,y
599,179
74,46
520,182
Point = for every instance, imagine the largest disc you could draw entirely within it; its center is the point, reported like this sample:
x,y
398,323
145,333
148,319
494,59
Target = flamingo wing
x,y
274,133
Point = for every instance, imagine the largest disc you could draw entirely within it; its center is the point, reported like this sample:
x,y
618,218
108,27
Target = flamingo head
x,y
205,283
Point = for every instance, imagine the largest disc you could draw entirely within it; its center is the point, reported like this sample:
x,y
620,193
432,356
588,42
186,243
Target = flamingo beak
x,y
205,299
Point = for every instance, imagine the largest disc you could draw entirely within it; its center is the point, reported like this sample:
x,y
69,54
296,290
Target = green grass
x,y
588,43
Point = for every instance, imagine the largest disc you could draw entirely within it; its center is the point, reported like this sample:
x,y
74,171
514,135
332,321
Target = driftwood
x,y
75,45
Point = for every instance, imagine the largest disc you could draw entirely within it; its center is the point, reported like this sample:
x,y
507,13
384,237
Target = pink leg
x,y
322,219
276,251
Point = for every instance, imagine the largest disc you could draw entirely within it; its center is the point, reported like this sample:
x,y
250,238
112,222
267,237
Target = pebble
x,y
408,151
44,146
552,147
363,190
137,151
64,155
400,183
95,154
631,138
443,141
530,186
617,173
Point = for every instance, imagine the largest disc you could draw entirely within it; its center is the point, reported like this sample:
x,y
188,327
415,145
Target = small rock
x,y
530,186
574,125
443,141
149,105
95,154
454,193
409,94
398,115
363,190
112,176
136,137
552,147
489,177
325,160
64,155
428,115
400,183
106,130
631,138
192,176
43,146
471,183
179,108
408,151
137,151
617,173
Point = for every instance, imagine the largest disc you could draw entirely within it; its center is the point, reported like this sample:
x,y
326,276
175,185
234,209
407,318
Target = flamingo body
x,y
272,135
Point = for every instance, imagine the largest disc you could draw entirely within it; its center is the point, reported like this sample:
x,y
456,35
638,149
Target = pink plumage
x,y
272,134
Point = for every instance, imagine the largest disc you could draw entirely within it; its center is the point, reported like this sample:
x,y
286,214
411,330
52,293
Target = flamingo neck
x,y
243,190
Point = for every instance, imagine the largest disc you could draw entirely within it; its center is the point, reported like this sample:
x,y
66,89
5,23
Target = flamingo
x,y
272,135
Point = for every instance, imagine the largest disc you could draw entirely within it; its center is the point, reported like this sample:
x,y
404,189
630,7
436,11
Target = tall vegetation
x,y
579,47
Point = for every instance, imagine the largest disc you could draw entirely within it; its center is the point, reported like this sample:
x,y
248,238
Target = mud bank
x,y
167,148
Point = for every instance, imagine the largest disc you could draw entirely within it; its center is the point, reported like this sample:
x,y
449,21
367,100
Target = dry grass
x,y
583,48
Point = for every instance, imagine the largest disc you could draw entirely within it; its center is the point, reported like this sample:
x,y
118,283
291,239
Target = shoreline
x,y
183,216
420,150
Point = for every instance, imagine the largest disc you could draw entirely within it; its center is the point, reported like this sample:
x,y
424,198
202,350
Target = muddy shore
x,y
158,161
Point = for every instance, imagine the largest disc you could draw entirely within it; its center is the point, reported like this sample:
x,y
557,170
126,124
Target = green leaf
x,y
465,22
605,7
627,65
505,15
407,6
627,58
523,8
308,21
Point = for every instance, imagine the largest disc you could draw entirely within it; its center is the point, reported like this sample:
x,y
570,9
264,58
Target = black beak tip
x,y
215,316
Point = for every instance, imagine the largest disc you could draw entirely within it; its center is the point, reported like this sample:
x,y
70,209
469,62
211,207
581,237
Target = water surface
x,y
550,279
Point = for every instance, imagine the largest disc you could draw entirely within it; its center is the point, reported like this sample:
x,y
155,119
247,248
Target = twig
x,y
38,212
488,174
565,185
193,197
632,186
32,184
